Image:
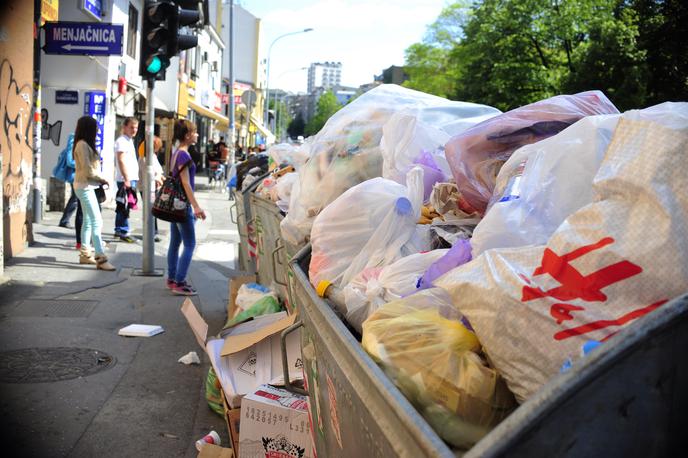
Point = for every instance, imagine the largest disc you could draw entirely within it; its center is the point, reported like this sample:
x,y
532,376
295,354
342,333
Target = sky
x,y
365,36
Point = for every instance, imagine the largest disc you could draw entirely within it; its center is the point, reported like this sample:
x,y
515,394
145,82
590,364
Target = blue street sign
x,y
83,38
94,7
67,97
94,106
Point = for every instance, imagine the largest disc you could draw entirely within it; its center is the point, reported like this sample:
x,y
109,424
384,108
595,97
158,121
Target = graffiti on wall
x,y
50,131
15,142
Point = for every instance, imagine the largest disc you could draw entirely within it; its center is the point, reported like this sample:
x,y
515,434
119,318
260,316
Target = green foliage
x,y
508,53
296,127
327,106
283,118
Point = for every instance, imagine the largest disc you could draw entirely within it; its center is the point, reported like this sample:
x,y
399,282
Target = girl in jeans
x,y
86,179
182,165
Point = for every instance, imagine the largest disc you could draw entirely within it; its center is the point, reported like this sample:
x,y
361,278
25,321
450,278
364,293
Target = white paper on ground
x,y
140,330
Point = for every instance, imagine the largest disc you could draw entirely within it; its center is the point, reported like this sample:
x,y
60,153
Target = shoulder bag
x,y
171,203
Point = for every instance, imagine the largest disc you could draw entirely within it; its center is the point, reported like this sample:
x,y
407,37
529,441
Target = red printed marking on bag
x,y
574,285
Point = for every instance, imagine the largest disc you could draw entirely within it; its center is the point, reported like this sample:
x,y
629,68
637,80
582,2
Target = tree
x,y
326,107
296,126
282,117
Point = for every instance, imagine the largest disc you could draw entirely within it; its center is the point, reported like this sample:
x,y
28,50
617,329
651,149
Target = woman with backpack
x,y
183,166
87,179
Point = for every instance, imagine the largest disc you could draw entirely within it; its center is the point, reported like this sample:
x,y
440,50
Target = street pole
x,y
148,258
266,120
37,204
232,109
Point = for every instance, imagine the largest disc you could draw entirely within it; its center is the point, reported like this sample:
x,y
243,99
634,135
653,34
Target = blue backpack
x,y
65,168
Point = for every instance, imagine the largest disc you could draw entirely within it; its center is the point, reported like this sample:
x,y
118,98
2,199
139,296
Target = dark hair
x,y
86,130
130,119
183,127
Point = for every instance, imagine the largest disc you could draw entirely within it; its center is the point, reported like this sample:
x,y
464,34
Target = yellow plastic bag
x,y
434,360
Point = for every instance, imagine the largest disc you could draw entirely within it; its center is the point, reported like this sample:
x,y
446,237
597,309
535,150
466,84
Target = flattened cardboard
x,y
233,421
237,343
196,321
234,285
215,451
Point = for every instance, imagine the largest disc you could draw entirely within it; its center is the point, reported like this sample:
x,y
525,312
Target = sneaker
x,y
66,225
183,289
126,238
157,238
170,283
78,246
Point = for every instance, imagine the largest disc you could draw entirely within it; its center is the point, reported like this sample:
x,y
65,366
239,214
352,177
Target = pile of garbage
x,y
477,251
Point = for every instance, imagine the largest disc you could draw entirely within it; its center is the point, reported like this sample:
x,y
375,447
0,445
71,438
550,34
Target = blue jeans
x,y
122,221
93,221
178,266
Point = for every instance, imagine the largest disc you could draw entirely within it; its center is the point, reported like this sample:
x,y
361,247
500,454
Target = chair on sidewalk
x,y
216,175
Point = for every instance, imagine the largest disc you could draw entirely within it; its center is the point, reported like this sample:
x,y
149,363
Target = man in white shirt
x,y
127,175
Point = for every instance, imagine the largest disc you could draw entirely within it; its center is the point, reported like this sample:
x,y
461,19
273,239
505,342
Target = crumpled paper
x,y
189,358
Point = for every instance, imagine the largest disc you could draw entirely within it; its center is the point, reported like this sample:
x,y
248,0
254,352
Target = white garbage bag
x,y
372,224
542,184
347,152
376,286
607,265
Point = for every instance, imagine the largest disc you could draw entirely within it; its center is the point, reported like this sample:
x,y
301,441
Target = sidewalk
x,y
146,403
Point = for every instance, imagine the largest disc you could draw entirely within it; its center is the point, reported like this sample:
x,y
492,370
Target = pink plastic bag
x,y
476,155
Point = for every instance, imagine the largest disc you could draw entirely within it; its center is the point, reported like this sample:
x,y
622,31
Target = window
x,y
132,31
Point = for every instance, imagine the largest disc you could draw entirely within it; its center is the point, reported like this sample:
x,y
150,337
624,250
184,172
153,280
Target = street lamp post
x,y
267,72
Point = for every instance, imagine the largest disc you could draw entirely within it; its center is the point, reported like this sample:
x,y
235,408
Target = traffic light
x,y
161,39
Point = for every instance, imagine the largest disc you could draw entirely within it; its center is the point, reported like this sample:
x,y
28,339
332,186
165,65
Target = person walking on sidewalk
x,y
64,171
87,178
183,166
127,166
158,172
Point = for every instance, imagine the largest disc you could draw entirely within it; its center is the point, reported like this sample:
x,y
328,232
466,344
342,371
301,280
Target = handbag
x,y
171,203
100,194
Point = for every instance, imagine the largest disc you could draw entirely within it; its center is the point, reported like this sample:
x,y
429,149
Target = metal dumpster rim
x,y
564,386
423,434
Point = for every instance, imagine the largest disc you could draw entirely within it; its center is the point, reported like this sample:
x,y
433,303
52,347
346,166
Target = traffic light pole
x,y
148,261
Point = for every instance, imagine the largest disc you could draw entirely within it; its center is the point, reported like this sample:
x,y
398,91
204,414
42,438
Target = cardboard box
x,y
274,424
215,451
234,285
249,354
232,418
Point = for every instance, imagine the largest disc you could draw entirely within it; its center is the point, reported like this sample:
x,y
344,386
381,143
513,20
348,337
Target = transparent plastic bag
x,y
372,224
434,360
413,132
374,287
285,153
477,154
346,152
542,184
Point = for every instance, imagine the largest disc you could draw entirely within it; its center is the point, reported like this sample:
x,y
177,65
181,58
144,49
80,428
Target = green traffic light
x,y
154,65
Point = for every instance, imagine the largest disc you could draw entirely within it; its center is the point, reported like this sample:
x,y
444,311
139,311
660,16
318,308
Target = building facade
x,y
324,75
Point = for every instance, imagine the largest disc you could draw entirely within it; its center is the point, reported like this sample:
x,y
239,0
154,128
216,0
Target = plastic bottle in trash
x,y
211,438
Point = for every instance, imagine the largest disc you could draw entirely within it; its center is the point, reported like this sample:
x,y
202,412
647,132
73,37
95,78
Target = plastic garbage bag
x,y
284,187
285,153
434,359
607,265
372,224
477,154
376,286
411,133
458,255
249,294
263,306
543,183
347,152
213,393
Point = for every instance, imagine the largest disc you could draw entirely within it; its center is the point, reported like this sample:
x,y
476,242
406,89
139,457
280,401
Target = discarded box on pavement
x,y
215,451
274,423
232,418
248,354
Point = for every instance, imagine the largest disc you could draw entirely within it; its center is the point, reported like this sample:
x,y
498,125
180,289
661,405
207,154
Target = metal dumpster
x,y
240,214
625,399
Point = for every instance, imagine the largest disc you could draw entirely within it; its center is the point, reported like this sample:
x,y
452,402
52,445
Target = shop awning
x,y
223,122
157,103
269,136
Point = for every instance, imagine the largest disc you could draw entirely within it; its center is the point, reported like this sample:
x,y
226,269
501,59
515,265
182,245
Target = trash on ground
x,y
140,330
190,358
211,438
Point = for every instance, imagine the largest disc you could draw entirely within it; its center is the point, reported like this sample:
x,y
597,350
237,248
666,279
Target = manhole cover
x,y
55,308
38,365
